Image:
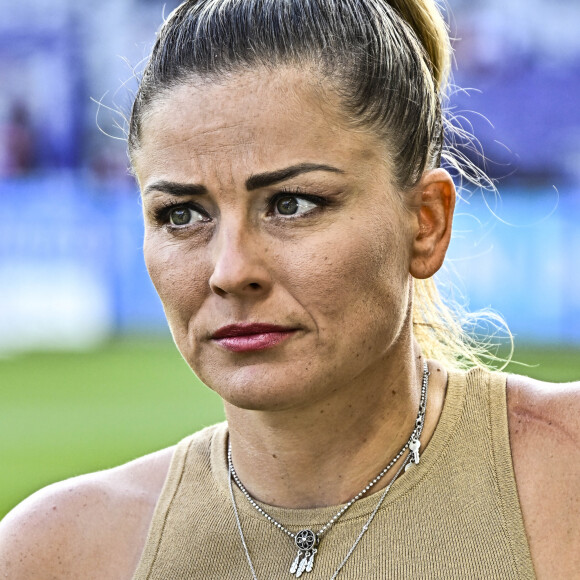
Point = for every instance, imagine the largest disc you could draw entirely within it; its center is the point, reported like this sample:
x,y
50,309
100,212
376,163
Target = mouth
x,y
251,336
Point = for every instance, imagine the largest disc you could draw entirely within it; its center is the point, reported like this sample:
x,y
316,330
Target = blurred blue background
x,y
71,266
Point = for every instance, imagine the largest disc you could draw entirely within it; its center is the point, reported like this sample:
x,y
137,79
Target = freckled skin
x,y
340,275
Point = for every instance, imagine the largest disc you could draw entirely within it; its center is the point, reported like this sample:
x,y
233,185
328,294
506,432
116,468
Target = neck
x,y
326,452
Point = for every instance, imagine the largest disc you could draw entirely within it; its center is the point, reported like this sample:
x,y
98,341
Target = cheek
x,y
178,277
361,274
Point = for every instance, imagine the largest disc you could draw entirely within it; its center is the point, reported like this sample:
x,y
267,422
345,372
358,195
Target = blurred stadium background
x,y
88,375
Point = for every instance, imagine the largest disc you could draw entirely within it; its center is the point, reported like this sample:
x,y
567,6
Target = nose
x,y
239,267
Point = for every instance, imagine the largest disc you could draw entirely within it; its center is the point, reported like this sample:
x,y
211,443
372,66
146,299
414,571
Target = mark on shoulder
x,y
544,427
92,526
549,409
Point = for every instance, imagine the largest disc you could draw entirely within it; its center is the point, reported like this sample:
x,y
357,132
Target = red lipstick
x,y
251,337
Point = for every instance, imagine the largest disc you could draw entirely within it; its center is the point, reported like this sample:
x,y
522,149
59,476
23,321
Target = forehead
x,y
252,121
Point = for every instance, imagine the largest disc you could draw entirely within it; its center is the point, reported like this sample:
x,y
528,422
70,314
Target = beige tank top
x,y
455,516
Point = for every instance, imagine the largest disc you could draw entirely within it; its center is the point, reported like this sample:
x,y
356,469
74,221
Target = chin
x,y
260,399
253,389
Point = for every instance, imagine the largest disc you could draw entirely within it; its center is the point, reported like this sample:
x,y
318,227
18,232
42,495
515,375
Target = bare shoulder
x,y
544,425
551,410
92,526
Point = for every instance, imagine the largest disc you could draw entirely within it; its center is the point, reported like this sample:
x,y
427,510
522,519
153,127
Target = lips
x,y
251,336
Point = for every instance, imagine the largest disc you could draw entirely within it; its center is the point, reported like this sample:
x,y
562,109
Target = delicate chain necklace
x,y
307,540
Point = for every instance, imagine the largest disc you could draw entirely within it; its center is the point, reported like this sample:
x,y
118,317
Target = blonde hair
x,y
446,330
389,62
425,18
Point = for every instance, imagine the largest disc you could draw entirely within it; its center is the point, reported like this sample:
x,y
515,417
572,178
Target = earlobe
x,y
434,217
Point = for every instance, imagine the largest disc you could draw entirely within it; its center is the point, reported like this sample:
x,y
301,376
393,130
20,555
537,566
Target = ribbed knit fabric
x,y
454,516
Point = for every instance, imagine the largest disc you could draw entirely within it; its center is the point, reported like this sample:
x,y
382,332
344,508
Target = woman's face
x,y
263,208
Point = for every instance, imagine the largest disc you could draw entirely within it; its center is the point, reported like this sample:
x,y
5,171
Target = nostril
x,y
219,291
254,286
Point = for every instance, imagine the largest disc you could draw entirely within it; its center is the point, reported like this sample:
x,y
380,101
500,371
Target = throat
x,y
339,470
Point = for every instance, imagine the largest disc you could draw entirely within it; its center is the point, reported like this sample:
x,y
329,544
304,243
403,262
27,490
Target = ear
x,y
433,208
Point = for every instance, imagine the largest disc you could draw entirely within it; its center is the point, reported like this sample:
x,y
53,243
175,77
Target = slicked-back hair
x,y
368,53
387,61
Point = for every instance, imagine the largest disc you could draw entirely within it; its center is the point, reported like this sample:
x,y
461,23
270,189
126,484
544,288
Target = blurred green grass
x,y
63,414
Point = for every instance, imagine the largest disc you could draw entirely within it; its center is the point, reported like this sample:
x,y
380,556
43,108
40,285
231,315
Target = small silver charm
x,y
294,566
414,446
310,564
305,541
303,565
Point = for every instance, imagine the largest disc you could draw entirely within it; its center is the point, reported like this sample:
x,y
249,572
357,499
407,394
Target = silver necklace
x,y
307,540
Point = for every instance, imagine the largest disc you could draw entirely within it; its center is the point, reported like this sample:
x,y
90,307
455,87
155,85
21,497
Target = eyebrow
x,y
252,183
178,189
272,177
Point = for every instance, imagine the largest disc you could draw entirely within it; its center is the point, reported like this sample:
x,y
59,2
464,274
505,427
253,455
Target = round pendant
x,y
305,540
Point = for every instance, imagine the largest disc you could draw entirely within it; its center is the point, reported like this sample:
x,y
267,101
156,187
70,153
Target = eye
x,y
289,205
184,216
